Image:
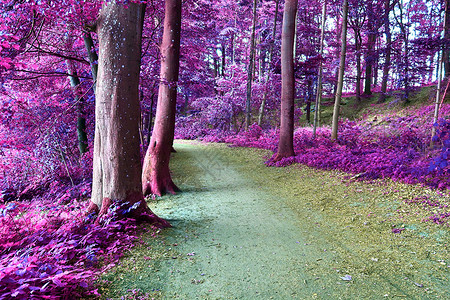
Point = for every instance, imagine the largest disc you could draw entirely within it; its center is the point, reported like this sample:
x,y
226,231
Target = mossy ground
x,y
341,226
353,110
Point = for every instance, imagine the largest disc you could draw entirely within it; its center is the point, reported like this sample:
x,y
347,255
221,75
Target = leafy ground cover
x,y
49,248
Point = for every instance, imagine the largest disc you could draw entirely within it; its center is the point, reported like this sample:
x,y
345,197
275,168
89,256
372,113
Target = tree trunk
x,y
440,65
150,119
370,59
446,52
308,99
404,32
387,60
437,100
156,177
81,119
358,42
340,83
250,70
223,60
117,163
269,69
286,142
92,55
369,65
319,82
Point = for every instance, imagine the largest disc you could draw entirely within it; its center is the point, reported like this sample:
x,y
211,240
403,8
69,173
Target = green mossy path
x,y
245,231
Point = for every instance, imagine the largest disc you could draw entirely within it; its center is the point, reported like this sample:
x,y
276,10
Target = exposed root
x,y
160,188
142,214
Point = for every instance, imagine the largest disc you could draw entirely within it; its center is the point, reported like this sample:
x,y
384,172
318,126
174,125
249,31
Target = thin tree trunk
x,y
269,70
338,53
358,42
250,70
441,64
92,55
319,83
387,60
404,32
216,67
223,60
340,83
156,176
117,161
446,52
81,119
286,142
308,99
437,102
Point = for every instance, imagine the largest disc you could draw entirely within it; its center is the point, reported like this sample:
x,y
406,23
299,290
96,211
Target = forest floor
x,y
242,230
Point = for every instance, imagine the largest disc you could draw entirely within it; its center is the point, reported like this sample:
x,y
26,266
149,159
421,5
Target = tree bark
x,y
150,119
269,69
286,142
250,70
387,60
117,163
340,83
156,177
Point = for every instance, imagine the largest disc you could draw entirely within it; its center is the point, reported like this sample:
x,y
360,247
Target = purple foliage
x,y
50,250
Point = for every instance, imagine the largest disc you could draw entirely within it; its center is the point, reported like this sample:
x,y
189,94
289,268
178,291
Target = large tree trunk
x,y
250,70
117,163
340,83
286,142
156,177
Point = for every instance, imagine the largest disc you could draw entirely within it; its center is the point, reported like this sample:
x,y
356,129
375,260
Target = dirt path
x,y
235,237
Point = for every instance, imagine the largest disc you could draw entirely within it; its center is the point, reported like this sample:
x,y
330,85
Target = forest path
x,y
236,235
